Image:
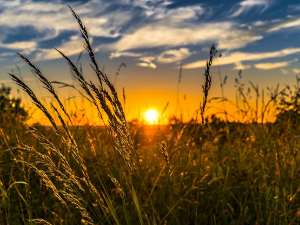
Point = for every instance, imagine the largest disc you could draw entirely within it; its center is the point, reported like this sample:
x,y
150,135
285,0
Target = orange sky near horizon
x,y
136,106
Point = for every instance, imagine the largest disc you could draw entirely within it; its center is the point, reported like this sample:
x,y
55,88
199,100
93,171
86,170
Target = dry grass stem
x,y
163,148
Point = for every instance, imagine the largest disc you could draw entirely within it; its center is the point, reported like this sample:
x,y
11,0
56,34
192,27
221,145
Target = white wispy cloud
x,y
147,62
260,23
144,64
168,56
150,7
51,18
236,57
174,55
147,59
56,16
74,46
7,54
157,35
237,39
286,23
269,66
20,45
240,66
178,14
158,10
128,54
247,5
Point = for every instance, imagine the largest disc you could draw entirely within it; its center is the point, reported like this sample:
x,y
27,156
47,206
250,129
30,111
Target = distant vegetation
x,y
11,109
204,171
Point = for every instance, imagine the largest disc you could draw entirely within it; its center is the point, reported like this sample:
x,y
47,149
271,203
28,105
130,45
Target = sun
x,y
151,116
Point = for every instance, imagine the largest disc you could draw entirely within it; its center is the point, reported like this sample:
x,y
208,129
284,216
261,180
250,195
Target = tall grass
x,y
102,208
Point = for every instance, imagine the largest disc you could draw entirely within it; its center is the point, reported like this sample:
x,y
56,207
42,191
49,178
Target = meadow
x,y
208,170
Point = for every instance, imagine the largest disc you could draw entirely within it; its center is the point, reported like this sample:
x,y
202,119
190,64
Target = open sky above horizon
x,y
260,37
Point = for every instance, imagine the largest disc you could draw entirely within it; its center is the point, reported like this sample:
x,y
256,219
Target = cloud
x,y
20,45
158,35
236,57
135,24
51,18
296,70
144,64
170,56
48,19
269,66
128,54
287,23
71,47
56,17
237,40
147,59
149,4
284,71
8,54
159,10
23,47
147,62
240,66
259,23
178,14
246,5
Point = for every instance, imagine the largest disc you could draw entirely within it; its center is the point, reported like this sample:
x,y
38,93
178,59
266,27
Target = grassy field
x,y
204,171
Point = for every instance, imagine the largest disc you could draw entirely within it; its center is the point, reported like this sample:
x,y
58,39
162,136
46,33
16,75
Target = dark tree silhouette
x,y
11,109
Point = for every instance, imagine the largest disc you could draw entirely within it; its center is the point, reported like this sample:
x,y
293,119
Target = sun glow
x,y
151,116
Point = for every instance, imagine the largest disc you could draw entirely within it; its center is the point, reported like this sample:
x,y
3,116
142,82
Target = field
x,y
202,171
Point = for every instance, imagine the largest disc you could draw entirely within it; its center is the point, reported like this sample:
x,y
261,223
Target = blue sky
x,y
154,32
260,37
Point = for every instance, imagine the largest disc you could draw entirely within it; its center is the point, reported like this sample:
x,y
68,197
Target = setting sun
x,y
151,116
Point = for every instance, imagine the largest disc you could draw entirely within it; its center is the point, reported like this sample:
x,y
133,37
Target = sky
x,y
153,38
